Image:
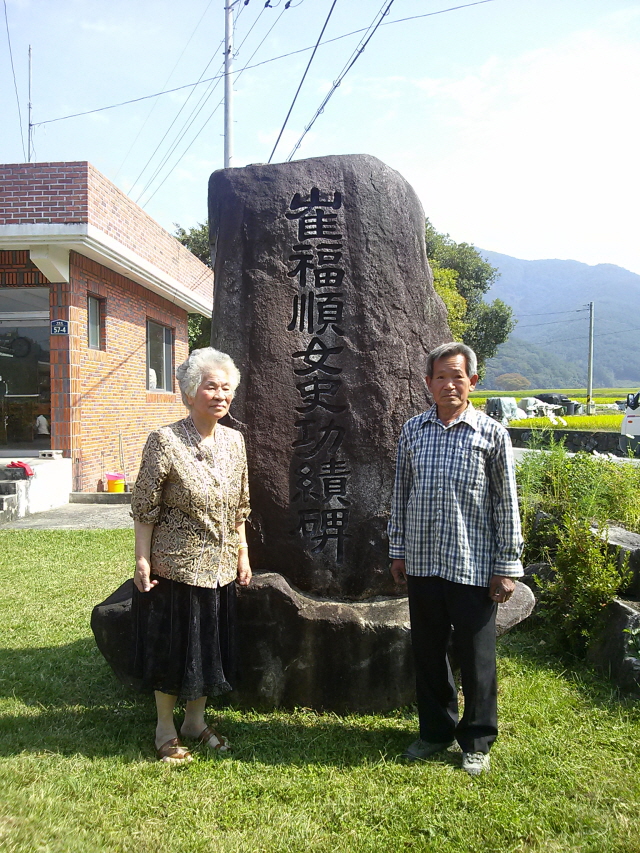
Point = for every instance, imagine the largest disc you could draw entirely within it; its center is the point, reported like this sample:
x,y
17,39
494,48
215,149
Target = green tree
x,y
196,239
482,325
445,283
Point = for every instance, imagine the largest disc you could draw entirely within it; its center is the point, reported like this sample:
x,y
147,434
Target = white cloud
x,y
536,156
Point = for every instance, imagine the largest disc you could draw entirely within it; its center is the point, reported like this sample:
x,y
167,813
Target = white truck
x,y
630,429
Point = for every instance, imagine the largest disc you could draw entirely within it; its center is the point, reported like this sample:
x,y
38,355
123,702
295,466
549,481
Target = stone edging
x,y
602,442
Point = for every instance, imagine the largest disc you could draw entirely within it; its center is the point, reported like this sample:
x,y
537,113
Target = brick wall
x,y
99,394
79,193
43,193
17,268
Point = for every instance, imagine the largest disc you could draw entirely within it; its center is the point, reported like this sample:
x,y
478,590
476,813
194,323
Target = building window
x,y
95,322
159,357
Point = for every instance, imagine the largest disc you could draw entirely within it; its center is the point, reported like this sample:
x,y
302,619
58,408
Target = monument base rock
x,y
297,650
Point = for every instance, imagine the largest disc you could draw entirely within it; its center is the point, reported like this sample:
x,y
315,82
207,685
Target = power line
x,y
295,97
600,335
248,66
15,84
257,65
171,73
439,12
195,112
187,124
241,70
551,323
358,52
551,313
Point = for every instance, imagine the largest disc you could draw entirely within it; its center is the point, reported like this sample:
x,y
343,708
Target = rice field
x,y
588,423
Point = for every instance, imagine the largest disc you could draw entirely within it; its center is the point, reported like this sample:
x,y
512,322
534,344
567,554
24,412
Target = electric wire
x,y
171,73
551,313
196,112
15,84
439,12
295,97
219,104
188,123
599,335
358,52
551,323
194,115
175,119
250,67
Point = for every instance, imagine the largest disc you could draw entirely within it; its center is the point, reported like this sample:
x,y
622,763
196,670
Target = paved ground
x,y
111,516
76,517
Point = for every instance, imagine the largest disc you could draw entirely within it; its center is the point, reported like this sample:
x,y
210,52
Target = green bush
x,y
562,499
596,488
586,577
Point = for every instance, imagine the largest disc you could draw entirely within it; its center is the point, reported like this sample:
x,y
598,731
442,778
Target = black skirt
x,y
176,638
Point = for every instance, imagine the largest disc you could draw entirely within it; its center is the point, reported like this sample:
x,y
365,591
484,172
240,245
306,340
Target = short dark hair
x,y
453,348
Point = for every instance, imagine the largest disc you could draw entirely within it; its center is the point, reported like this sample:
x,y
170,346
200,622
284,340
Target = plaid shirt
x,y
455,509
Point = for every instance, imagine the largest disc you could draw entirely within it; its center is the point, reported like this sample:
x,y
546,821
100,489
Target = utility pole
x,y
228,84
30,130
591,406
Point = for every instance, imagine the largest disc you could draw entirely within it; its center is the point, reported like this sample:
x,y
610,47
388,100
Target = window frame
x,y
99,327
168,336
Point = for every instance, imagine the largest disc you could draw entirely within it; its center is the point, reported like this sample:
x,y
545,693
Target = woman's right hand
x,y
142,575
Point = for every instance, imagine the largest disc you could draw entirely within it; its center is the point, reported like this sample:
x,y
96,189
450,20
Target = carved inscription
x,y
320,482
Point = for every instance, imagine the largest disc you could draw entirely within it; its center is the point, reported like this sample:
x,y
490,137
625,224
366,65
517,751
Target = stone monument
x,y
324,299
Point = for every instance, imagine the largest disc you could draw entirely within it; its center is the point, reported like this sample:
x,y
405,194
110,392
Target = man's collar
x,y
469,416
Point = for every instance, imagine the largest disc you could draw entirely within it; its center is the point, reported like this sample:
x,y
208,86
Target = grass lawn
x,y
77,770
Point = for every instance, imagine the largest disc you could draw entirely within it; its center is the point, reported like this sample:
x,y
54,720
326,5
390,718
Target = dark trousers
x,y
436,605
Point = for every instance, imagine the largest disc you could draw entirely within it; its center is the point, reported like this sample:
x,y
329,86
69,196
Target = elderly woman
x,y
189,507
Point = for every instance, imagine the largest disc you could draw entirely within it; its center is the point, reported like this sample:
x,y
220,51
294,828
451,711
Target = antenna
x,y
30,133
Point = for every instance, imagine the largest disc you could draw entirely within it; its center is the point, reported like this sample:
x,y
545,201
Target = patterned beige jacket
x,y
194,494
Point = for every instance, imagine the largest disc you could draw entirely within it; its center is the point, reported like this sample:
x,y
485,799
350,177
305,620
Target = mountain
x,y
550,300
541,368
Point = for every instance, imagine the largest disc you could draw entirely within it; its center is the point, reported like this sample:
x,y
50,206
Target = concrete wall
x,y
48,488
575,440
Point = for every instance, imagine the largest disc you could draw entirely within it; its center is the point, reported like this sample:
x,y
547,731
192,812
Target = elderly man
x,y
455,540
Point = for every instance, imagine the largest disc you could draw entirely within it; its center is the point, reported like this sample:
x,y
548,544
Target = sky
x,y
516,121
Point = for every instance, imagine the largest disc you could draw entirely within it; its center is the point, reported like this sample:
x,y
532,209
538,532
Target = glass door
x,y
25,377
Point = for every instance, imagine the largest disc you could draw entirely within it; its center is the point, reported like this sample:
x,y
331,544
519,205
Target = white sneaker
x,y
475,763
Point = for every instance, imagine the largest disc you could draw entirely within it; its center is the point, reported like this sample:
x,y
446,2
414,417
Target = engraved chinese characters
x,y
323,298
320,484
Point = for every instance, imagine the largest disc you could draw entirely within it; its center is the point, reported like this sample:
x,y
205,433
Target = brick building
x,y
94,298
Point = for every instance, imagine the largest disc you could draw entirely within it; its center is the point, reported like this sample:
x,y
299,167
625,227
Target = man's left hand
x,y
501,588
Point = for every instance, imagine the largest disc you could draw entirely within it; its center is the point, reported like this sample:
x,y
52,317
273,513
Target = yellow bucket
x,y
115,482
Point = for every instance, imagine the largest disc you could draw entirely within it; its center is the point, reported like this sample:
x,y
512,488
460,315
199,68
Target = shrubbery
x,y
562,499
